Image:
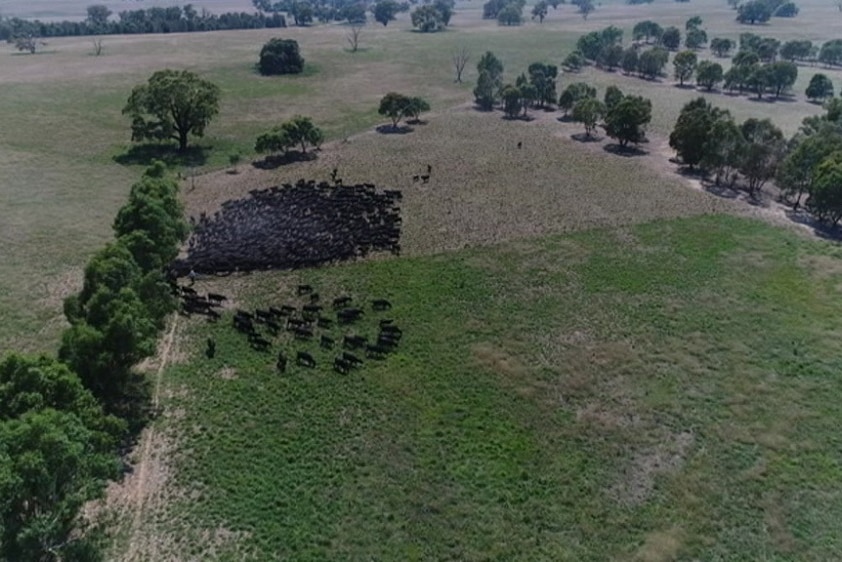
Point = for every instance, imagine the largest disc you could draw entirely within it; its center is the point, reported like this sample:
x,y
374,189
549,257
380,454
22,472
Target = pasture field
x,y
64,151
659,392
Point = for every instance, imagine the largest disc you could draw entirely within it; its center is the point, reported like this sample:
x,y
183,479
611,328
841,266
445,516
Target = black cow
x,y
304,290
342,366
376,351
281,363
324,323
260,344
352,359
305,359
341,302
303,333
326,342
381,304
353,342
217,298
211,348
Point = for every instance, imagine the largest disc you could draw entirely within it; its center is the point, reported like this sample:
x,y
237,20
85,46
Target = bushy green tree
x,y
588,111
796,173
542,77
826,194
626,121
280,56
820,87
511,14
648,31
385,11
786,10
782,75
764,149
796,50
695,38
651,62
299,132
573,62
723,150
613,96
708,74
685,65
721,46
512,100
172,105
671,38
415,108
630,61
394,106
539,10
690,136
427,19
831,53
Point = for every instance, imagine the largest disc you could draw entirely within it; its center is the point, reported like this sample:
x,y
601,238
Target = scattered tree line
x,y
64,421
761,11
807,168
175,19
623,117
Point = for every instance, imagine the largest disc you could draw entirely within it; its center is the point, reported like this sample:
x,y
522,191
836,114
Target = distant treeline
x,y
151,20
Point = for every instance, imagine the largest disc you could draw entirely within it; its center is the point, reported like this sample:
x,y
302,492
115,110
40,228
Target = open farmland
x,y
600,360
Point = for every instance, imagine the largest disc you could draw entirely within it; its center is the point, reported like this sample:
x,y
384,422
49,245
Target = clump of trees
x,y
397,106
434,16
761,11
172,105
298,132
626,117
280,56
385,11
490,81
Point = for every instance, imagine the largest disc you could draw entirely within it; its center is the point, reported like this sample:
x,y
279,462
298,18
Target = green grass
x,y
669,390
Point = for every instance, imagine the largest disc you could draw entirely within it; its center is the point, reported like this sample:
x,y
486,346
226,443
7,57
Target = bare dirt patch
x,y
228,374
661,546
637,481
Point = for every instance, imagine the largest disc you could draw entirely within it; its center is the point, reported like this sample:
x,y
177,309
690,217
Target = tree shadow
x,y
685,86
274,161
390,130
584,137
145,154
625,151
416,122
521,117
820,229
565,119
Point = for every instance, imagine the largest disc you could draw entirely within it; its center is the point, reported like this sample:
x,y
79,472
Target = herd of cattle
x,y
306,322
294,226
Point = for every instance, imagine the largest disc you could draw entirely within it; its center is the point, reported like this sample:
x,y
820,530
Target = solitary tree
x,y
695,39
460,60
428,18
627,120
280,56
511,14
354,32
172,105
820,87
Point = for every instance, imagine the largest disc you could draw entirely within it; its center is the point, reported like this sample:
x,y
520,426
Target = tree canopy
x,y
708,74
820,87
588,111
754,11
685,65
626,121
172,105
490,81
385,11
297,132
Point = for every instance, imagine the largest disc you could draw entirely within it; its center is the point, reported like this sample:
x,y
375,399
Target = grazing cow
x,y
314,298
425,179
217,298
341,302
520,144
244,314
213,315
391,329
387,342
258,343
189,291
276,312
324,323
293,323
386,322
380,304
353,342
287,310
352,359
305,359
342,366
211,349
311,308
416,178
326,342
394,193
262,315
303,333
304,290
429,169
375,351
273,327
281,363
349,314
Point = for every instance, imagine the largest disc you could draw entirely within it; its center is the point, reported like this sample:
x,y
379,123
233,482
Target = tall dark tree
x,y
820,87
648,31
721,46
542,77
651,62
685,65
754,11
490,81
394,106
671,38
723,150
588,111
385,11
826,195
782,76
690,136
172,105
574,93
